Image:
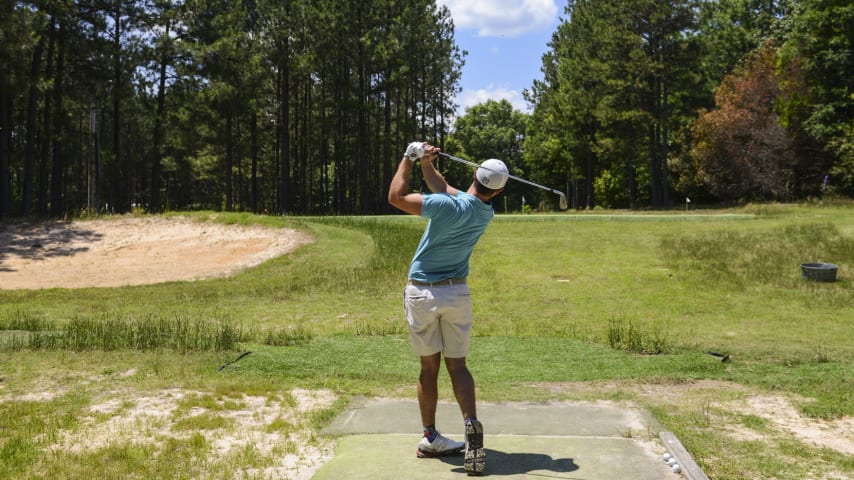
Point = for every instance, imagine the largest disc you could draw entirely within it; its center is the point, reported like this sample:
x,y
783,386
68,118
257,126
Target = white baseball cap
x,y
492,174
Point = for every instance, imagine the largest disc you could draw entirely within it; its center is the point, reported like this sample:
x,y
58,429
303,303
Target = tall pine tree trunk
x,y
57,180
631,170
323,145
124,202
30,155
388,145
307,163
284,132
665,184
590,171
5,148
653,138
654,166
340,133
157,147
47,126
362,148
301,144
253,134
229,161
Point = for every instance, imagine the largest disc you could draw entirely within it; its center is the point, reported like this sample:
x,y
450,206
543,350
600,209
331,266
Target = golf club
x,y
562,202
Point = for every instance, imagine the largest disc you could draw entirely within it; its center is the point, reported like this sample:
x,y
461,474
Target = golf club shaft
x,y
518,179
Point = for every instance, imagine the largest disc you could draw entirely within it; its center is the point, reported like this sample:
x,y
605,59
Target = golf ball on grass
x,y
671,461
676,468
666,457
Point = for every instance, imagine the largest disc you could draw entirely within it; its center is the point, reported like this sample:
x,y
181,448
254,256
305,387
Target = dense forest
x,y
257,105
647,102
304,106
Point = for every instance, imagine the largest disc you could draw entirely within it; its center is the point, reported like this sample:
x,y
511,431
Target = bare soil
x,y
133,251
779,410
155,417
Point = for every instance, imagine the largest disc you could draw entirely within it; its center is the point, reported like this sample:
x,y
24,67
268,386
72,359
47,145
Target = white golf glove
x,y
414,151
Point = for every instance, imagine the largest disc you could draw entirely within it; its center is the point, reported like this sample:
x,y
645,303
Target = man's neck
x,y
473,191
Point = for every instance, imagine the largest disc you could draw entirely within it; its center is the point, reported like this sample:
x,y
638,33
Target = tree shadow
x,y
41,241
505,464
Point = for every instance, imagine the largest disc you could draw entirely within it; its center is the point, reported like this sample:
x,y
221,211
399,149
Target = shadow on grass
x,y
505,464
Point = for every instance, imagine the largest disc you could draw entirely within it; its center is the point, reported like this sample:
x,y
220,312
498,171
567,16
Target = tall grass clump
x,y
150,332
633,337
771,257
23,321
288,336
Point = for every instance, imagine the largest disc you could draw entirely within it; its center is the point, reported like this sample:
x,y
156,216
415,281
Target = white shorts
x,y
439,319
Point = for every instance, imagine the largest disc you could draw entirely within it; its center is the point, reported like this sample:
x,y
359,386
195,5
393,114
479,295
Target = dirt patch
x,y
835,434
778,410
274,428
133,251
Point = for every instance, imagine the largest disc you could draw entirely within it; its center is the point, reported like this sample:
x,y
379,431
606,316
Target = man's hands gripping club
x,y
399,194
418,150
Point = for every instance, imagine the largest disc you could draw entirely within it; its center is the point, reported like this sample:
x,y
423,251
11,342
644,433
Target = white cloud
x,y
507,18
492,92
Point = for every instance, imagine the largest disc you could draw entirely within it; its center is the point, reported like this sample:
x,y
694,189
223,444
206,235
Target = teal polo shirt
x,y
456,224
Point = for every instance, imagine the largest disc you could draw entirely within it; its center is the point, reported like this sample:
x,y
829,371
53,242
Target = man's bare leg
x,y
434,444
428,388
475,457
463,385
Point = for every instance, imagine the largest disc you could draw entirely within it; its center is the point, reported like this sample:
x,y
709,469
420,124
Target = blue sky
x,y
505,40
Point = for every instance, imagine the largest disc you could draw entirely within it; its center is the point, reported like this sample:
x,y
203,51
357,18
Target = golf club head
x,y
562,202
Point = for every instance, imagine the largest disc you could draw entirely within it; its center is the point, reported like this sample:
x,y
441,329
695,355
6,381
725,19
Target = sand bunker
x,y
133,251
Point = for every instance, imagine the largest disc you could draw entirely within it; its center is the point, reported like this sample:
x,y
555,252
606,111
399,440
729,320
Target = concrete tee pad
x,y
522,440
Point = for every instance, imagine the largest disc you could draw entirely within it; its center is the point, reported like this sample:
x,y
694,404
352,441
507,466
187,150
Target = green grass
x,y
586,306
105,332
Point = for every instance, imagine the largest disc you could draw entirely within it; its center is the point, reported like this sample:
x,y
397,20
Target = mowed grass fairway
x,y
609,306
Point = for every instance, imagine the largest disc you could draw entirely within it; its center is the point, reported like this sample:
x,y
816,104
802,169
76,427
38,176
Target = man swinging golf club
x,y
437,301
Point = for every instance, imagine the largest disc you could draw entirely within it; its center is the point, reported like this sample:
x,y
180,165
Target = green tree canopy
x,y
492,129
820,103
